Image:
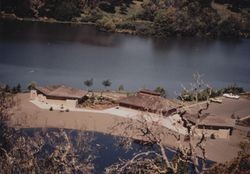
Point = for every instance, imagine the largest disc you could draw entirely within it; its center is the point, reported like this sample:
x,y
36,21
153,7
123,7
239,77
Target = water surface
x,y
69,54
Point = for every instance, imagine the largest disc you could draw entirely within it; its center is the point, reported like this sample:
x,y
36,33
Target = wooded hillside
x,y
204,18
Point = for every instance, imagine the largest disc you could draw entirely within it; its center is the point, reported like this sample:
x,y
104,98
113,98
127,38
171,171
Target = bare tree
x,y
188,148
42,151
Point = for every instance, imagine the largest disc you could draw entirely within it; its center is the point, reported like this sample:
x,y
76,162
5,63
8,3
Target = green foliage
x,y
51,109
66,11
106,24
235,89
18,87
89,82
164,22
7,88
107,7
229,27
106,83
169,17
161,90
127,25
31,85
211,93
191,95
121,88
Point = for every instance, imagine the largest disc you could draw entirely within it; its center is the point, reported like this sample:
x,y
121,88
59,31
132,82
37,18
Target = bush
x,y
212,136
161,90
66,11
107,7
51,109
235,89
126,25
106,24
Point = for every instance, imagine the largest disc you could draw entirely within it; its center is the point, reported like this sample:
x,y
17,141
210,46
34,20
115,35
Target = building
x,y
220,126
146,100
216,123
58,95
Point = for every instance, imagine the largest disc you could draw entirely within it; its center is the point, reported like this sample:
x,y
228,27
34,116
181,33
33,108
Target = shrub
x,y
51,109
121,88
106,24
161,90
107,7
126,25
212,136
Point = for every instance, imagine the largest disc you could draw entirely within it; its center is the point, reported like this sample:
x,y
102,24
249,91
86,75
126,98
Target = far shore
x,y
8,16
28,115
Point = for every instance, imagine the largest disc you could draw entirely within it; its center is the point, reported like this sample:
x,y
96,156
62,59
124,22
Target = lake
x,y
69,54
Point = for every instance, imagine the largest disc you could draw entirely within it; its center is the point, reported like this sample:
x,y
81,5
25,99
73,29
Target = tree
x,y
66,10
164,22
18,87
7,88
149,130
121,88
31,85
89,83
45,151
161,90
106,83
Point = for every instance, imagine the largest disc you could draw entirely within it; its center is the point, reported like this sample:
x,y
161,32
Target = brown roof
x,y
218,121
147,91
61,91
148,102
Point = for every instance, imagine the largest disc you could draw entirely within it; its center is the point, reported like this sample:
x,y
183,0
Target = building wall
x,y
220,133
33,94
66,103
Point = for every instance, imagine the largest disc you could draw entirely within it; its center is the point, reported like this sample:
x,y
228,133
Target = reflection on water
x,y
69,54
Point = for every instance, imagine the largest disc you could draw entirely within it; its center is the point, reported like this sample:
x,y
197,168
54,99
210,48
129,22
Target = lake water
x,y
69,54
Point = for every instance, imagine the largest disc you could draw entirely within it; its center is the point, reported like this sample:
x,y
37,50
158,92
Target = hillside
x,y
164,18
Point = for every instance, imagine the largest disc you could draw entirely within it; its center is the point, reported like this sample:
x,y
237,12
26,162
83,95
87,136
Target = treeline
x,y
162,18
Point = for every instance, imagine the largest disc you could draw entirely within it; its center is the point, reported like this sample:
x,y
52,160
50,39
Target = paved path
x,y
170,122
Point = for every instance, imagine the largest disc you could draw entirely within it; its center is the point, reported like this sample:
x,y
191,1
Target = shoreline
x,y
12,16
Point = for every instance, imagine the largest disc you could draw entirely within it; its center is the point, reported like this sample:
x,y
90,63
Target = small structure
x,y
146,100
219,126
58,95
217,123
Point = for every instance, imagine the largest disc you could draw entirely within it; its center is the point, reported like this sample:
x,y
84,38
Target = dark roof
x,y
61,91
217,121
147,91
149,102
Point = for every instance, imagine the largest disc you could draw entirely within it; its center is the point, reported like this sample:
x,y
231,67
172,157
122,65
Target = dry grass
x,y
224,12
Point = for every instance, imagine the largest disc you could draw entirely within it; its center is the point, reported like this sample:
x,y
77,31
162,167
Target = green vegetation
x,y
14,90
161,90
31,85
121,88
106,83
89,83
210,93
161,18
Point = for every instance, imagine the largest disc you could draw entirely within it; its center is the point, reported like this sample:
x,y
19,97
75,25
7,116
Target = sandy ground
x,y
240,108
28,115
